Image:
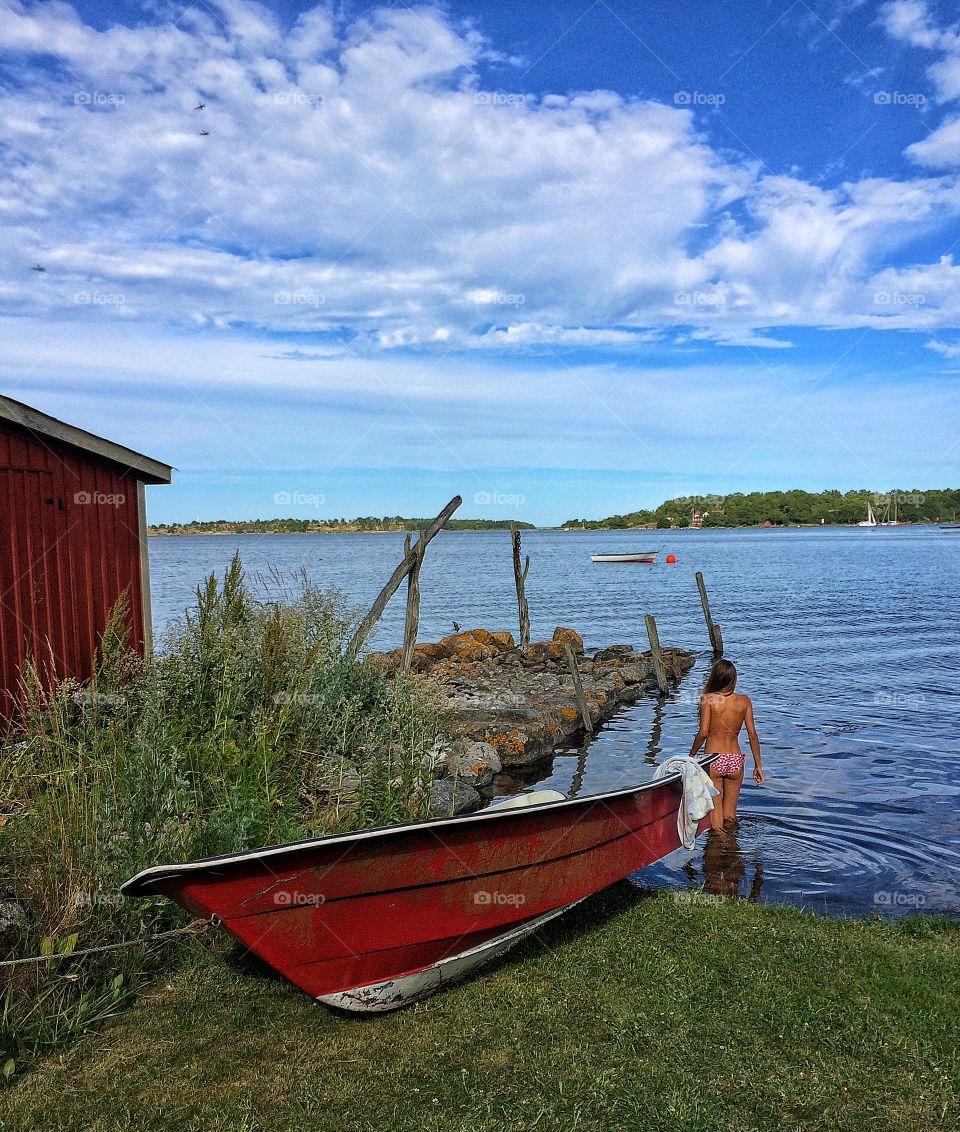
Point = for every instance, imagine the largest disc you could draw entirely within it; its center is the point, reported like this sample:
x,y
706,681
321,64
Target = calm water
x,y
846,639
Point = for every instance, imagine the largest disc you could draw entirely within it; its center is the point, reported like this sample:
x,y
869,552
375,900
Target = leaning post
x,y
578,687
409,559
713,629
654,639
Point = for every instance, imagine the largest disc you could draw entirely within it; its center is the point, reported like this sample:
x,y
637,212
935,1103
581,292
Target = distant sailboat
x,y
886,521
871,519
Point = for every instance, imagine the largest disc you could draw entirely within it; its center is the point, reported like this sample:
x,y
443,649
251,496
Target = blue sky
x,y
561,258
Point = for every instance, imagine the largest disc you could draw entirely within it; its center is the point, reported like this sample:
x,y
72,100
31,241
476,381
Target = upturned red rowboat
x,y
380,918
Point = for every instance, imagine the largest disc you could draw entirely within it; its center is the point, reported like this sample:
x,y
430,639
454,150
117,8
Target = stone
x,y
465,646
563,636
13,920
540,652
331,776
504,640
633,673
472,762
449,798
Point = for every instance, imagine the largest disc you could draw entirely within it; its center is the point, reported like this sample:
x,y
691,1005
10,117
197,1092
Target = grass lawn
x,y
636,1012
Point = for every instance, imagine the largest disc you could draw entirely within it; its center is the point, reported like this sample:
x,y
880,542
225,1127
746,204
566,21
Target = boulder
x,y
563,636
331,777
13,920
504,641
449,797
540,651
472,762
465,646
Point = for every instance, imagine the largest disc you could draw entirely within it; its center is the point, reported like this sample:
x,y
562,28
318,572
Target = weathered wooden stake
x,y
654,639
578,687
713,629
520,577
412,622
376,610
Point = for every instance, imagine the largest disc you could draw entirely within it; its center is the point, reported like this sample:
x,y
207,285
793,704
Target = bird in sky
x,y
200,106
204,133
456,627
37,267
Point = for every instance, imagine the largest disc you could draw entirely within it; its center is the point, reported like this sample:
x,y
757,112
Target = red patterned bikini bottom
x,y
728,766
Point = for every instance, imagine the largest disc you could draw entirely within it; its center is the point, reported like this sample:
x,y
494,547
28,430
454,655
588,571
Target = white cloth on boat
x,y
697,798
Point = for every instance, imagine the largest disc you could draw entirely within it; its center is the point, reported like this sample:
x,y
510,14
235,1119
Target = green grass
x,y
633,1013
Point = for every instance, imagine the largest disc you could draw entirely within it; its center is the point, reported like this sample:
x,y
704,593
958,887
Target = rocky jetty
x,y
512,708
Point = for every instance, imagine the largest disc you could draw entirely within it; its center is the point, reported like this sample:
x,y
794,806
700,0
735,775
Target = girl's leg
x,y
730,797
716,815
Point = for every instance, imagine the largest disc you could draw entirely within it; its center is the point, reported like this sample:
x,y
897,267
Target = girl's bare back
x,y
724,714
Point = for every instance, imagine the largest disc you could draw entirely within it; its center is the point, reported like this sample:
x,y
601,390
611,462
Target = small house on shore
x,y
72,542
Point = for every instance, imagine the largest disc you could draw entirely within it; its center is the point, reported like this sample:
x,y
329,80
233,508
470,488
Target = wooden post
x,y
520,577
654,639
578,687
376,610
412,622
713,629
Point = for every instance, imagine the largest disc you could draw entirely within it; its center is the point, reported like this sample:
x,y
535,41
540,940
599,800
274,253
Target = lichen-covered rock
x,y
449,797
13,920
504,641
465,646
540,651
563,636
331,777
472,762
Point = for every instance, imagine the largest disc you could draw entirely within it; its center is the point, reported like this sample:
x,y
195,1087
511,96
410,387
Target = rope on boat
x,y
195,927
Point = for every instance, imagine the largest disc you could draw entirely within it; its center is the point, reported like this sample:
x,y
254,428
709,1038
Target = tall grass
x,y
245,729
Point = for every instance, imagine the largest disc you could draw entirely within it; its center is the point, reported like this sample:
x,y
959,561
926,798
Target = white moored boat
x,y
647,556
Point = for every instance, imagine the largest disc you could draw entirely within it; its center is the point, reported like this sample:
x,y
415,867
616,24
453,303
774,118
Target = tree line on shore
x,y
786,508
324,526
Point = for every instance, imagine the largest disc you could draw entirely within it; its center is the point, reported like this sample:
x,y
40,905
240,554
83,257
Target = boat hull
x,y
646,557
340,915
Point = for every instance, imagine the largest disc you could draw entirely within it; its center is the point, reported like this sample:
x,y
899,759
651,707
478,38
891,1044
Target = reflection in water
x,y
724,866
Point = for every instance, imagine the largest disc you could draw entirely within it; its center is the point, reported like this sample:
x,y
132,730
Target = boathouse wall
x,y
72,542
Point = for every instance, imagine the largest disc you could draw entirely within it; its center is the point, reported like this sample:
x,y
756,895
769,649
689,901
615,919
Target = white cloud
x,y
357,181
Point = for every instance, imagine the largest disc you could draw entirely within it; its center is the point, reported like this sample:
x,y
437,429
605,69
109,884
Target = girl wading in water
x,y
723,712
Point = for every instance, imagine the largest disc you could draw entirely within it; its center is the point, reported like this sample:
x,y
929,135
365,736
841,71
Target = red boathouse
x,y
72,541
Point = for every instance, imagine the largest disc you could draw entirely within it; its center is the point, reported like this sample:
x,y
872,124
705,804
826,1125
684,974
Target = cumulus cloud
x,y
354,179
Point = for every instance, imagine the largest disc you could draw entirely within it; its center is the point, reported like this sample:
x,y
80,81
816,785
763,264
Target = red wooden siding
x,y
69,547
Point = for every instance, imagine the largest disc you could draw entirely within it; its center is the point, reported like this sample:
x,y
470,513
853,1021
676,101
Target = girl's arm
x,y
701,736
754,744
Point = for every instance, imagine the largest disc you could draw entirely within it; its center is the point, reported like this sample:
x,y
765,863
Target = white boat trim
x,y
405,990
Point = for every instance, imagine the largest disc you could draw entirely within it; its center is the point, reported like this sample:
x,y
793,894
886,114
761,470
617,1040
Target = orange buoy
x,y
671,558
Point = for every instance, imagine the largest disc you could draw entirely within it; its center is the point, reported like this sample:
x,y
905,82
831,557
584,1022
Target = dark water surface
x,y
846,639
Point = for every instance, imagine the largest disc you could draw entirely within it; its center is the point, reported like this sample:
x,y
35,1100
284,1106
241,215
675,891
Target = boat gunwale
x,y
141,884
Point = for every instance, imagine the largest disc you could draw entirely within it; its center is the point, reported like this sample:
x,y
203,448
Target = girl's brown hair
x,y
722,678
